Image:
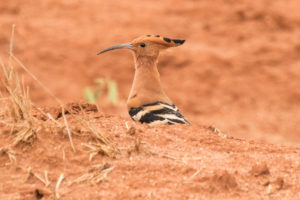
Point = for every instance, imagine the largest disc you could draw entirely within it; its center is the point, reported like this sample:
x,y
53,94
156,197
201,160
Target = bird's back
x,y
158,113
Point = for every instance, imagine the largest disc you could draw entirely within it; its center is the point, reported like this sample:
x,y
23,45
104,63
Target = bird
x,y
147,101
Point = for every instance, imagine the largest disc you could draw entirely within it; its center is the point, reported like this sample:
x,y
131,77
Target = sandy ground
x,y
238,72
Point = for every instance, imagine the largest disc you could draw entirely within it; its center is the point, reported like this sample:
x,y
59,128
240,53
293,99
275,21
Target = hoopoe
x,y
147,102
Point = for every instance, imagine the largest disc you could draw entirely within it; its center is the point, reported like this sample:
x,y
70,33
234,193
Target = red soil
x,y
238,71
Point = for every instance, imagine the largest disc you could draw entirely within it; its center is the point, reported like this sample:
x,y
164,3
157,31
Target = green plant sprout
x,y
101,84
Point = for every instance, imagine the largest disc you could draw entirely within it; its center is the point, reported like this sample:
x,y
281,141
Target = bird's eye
x,y
142,44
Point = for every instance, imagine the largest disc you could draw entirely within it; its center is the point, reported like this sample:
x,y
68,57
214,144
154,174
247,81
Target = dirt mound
x,y
170,162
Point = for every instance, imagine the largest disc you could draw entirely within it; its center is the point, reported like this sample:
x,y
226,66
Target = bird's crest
x,y
168,42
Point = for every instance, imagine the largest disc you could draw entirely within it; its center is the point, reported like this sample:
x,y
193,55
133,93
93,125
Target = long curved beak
x,y
118,46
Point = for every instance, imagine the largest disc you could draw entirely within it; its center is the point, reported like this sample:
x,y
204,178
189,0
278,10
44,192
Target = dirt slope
x,y
176,162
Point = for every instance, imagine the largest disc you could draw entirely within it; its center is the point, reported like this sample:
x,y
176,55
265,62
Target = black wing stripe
x,y
134,111
177,121
162,111
149,117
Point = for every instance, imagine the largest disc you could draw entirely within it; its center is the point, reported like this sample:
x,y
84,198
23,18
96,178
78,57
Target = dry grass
x,y
101,143
18,110
66,125
10,153
43,180
217,131
96,174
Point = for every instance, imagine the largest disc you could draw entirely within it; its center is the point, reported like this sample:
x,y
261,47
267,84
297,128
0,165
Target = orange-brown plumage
x,y
146,87
146,91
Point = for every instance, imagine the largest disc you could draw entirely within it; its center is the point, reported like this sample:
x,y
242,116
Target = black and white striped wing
x,y
158,113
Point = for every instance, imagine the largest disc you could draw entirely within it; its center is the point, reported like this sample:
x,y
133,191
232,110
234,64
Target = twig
x,y
10,153
63,154
126,124
40,178
47,115
168,156
94,149
46,179
61,177
195,174
68,129
11,44
217,131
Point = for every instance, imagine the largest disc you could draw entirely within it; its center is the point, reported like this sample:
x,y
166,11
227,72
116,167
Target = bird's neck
x,y
146,87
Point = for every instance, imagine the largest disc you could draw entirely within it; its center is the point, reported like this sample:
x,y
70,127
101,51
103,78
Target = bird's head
x,y
148,46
